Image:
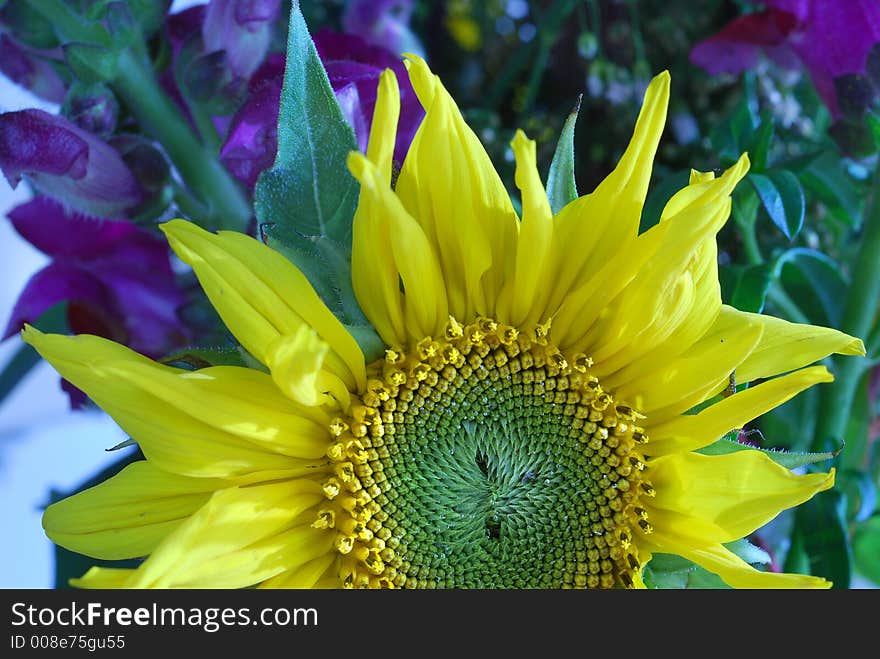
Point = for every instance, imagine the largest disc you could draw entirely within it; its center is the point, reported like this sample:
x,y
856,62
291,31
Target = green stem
x,y
859,310
186,202
750,243
209,180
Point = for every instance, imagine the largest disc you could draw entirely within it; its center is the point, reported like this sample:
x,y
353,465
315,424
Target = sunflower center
x,y
486,459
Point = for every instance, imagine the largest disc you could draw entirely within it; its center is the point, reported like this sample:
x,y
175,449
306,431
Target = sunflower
x,y
531,423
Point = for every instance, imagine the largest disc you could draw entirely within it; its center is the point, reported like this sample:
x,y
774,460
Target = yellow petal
x,y
595,227
694,431
260,295
297,367
262,560
524,295
787,346
222,421
664,295
304,576
733,570
448,184
232,519
584,305
104,578
691,378
738,492
127,515
383,132
425,310
375,277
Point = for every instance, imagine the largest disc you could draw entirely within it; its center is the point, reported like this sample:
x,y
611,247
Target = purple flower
x,y
241,28
34,73
115,277
831,38
382,23
253,135
353,67
65,162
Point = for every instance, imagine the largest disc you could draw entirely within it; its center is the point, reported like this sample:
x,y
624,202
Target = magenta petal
x,y
36,141
115,276
739,43
382,23
835,40
348,59
30,71
253,136
57,282
47,226
66,163
241,28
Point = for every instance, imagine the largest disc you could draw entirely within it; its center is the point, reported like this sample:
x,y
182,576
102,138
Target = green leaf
x,y
52,321
561,185
745,287
731,136
21,363
668,571
783,198
759,145
787,459
814,282
659,195
826,180
91,64
820,531
305,203
150,14
866,549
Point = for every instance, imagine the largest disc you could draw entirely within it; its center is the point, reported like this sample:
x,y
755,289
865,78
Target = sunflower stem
x,y
859,311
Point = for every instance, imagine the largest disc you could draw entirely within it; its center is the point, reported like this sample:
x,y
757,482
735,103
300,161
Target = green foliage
x,y
783,199
53,320
820,539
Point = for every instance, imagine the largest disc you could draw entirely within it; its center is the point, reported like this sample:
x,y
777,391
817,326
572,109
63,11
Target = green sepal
x,y
306,202
561,185
195,358
787,459
90,63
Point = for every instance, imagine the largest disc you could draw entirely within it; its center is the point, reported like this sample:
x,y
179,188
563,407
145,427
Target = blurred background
x,y
796,84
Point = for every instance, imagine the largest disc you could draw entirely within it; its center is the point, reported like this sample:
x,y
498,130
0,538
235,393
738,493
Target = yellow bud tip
x,y
30,334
